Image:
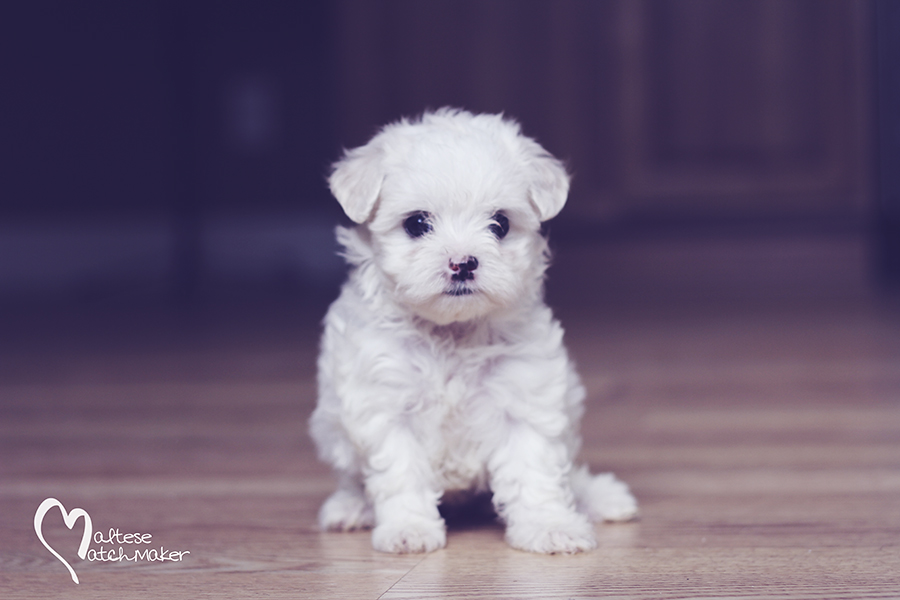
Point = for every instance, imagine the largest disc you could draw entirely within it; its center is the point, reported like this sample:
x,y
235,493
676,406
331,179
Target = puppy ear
x,y
356,181
549,183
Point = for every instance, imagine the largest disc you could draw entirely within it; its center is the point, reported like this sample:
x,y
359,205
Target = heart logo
x,y
69,519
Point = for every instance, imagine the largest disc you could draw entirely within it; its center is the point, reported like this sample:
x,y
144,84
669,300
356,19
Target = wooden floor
x,y
761,439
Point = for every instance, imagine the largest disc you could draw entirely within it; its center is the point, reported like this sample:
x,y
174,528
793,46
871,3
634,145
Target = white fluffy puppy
x,y
441,368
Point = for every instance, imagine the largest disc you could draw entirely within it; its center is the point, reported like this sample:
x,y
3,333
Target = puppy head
x,y
453,204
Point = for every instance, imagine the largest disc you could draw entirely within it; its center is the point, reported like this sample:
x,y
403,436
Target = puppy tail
x,y
603,497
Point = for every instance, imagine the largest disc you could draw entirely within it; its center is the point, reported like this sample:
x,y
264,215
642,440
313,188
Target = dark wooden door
x,y
665,109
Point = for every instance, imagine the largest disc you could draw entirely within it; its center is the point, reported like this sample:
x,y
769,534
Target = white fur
x,y
422,392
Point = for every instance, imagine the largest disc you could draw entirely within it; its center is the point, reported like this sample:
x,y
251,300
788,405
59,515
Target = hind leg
x,y
347,508
603,497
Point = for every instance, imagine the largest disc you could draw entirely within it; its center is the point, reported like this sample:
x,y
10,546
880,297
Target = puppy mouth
x,y
459,290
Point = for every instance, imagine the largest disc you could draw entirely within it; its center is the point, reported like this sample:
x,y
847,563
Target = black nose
x,y
463,271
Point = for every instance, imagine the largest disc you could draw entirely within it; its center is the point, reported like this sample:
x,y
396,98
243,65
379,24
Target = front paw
x,y
414,535
568,535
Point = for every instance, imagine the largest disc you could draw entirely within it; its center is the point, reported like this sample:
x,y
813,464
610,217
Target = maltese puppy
x,y
441,369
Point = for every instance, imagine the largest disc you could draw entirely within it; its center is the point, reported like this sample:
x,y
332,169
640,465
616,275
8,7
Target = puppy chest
x,y
459,462
460,465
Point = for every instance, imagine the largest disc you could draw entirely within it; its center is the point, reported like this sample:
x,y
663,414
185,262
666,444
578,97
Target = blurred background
x,y
172,155
727,270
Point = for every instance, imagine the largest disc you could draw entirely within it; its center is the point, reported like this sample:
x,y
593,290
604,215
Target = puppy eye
x,y
500,226
417,224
